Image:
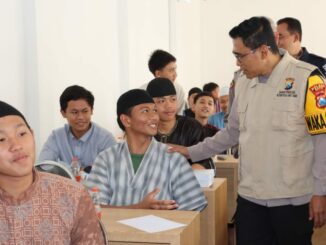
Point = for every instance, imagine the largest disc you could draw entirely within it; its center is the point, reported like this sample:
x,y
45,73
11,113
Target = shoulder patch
x,y
315,107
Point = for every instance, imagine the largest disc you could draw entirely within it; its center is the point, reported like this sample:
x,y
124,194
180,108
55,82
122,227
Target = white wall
x,y
104,45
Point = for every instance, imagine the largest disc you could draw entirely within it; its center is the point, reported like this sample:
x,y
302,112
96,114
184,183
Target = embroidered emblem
x,y
289,83
320,96
288,90
4,232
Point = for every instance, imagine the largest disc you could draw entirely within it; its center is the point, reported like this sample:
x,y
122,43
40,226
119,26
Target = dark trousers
x,y
283,225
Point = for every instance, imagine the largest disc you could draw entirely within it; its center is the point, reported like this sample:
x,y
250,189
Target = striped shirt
x,y
113,174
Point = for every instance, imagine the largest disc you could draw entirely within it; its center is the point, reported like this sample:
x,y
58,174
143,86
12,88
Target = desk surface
x,y
227,159
123,234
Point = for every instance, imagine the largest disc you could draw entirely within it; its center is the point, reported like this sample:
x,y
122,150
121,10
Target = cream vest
x,y
276,150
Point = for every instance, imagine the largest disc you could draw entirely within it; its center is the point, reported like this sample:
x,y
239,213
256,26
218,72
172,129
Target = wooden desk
x,y
120,234
213,219
228,169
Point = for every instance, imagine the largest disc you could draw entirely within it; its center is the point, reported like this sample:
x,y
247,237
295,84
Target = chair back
x,y
105,234
54,168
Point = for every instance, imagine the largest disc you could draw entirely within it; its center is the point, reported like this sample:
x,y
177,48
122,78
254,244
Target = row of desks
x,y
206,228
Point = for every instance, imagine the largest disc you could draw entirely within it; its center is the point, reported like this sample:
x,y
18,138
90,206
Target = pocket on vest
x,y
296,162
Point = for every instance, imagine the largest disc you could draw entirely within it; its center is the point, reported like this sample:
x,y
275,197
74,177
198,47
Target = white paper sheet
x,y
151,223
205,177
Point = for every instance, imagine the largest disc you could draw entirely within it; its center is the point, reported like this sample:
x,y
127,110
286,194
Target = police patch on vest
x,y
288,92
315,107
319,92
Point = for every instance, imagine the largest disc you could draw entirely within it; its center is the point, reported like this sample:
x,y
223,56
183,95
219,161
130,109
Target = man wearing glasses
x,y
279,123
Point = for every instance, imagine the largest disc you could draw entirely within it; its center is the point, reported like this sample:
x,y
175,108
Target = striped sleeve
x,y
99,177
186,190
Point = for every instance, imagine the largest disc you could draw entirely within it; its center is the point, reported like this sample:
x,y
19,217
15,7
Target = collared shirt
x,y
187,131
119,185
62,145
217,120
229,136
53,210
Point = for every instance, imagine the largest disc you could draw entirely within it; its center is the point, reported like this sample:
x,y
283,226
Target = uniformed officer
x,y
280,126
290,36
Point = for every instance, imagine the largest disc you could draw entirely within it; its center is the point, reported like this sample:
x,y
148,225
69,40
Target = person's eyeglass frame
x,y
240,57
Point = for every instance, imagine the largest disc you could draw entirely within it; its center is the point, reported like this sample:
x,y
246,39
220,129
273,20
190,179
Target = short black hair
x,y
194,90
75,92
210,87
294,25
202,94
159,59
128,100
255,32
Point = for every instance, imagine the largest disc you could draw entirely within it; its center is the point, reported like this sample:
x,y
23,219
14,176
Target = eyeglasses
x,y
240,57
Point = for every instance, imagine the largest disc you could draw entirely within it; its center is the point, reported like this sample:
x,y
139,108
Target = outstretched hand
x,y
149,202
179,148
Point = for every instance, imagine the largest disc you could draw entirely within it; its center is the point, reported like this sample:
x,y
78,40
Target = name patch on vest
x,y
316,123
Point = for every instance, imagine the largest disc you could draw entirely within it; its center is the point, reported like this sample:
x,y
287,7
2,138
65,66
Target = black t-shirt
x,y
187,132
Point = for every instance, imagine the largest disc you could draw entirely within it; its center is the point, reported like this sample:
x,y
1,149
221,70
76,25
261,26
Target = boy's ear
x,y
157,73
125,120
63,113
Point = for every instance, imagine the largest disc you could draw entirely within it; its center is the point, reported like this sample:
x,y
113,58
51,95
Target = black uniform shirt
x,y
313,59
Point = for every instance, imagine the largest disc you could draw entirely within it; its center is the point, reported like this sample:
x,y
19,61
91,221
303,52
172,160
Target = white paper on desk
x,y
151,223
205,177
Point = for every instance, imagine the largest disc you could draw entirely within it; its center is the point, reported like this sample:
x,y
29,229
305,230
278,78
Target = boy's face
x,y
216,93
204,107
224,102
166,107
191,100
143,120
78,114
169,71
17,148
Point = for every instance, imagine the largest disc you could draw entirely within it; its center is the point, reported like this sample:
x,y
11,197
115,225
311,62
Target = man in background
x,y
218,119
163,64
290,37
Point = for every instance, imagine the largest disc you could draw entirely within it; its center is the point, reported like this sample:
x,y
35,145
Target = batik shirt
x,y
114,175
53,210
